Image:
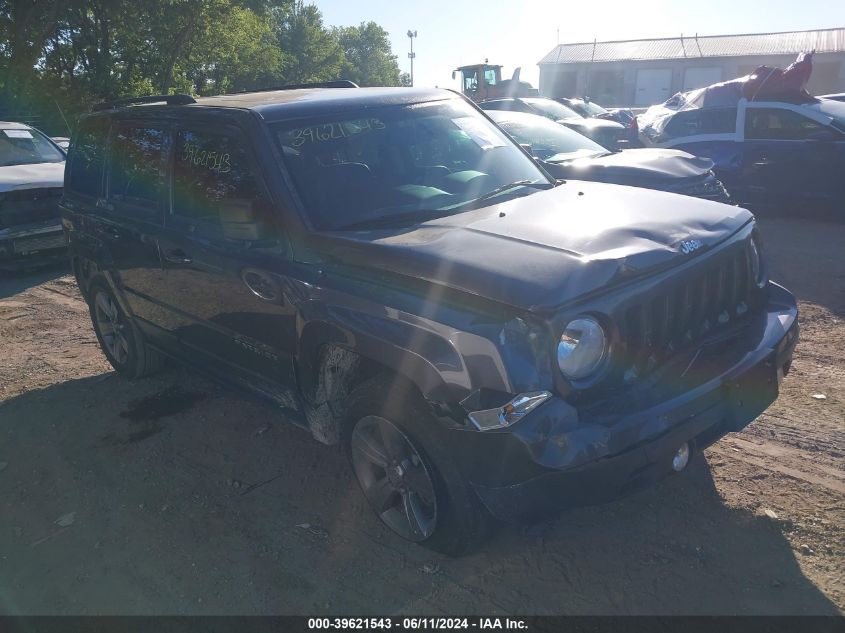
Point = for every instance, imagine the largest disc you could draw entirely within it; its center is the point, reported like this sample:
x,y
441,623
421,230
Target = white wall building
x,y
644,72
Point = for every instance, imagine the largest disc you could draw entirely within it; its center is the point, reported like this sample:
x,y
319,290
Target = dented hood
x,y
32,176
634,166
542,250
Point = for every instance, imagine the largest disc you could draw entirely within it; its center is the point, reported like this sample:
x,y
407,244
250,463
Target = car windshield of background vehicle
x,y
27,147
591,109
835,110
402,163
548,140
552,109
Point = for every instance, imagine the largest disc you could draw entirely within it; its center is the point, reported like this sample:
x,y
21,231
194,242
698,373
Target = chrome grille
x,y
41,243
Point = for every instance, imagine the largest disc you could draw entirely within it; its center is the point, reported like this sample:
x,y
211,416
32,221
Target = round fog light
x,y
681,458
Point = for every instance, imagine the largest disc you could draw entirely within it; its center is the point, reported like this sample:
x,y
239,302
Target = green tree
x,y
25,27
368,57
311,51
237,53
58,58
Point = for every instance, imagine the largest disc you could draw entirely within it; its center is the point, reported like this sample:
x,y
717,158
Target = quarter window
x,y
135,173
780,125
88,156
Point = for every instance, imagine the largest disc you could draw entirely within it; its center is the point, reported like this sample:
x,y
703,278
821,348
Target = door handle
x,y
177,256
762,162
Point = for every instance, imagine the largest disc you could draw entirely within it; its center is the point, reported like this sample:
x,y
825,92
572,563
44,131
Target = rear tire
x,y
84,270
410,473
122,343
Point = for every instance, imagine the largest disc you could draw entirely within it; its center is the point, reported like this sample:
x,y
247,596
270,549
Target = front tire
x,y
401,460
119,338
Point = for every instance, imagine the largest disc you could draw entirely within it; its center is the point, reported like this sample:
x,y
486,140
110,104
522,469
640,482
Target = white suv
x,y
32,171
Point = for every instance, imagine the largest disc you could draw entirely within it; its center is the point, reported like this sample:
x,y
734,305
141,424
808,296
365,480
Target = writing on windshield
x,y
427,158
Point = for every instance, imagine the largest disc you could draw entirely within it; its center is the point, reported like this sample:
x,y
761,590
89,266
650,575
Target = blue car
x,y
765,152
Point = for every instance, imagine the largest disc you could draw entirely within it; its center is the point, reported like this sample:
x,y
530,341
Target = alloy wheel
x,y
112,328
394,478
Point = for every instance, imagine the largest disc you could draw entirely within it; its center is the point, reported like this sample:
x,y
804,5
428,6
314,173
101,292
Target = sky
x,y
519,33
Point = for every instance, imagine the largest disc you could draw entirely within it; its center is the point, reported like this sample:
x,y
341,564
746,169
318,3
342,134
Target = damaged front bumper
x,y
559,456
42,240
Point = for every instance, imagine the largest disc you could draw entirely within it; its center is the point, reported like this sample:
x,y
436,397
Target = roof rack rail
x,y
339,83
168,99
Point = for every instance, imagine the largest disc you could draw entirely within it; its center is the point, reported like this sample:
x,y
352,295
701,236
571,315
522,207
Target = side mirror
x,y
243,219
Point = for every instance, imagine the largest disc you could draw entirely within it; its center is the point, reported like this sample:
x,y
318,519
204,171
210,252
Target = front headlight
x,y
582,348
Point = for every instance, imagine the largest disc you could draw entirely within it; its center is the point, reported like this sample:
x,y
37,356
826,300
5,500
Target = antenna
x,y
67,125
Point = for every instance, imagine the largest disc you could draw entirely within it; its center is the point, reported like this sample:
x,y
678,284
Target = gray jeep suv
x,y
399,276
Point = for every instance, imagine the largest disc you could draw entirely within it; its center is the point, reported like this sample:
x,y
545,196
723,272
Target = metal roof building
x,y
644,72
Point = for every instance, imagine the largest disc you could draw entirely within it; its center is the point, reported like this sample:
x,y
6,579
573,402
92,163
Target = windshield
x,y
27,147
402,162
588,108
547,139
552,109
835,110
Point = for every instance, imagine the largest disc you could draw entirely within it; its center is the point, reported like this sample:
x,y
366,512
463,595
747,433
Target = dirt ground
x,y
173,495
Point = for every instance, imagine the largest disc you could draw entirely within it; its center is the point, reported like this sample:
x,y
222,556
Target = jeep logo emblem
x,y
688,246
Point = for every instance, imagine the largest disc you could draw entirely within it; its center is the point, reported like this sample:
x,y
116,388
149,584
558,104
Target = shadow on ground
x,y
220,507
14,282
807,258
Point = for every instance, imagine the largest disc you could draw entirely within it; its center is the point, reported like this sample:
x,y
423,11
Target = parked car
x,y
31,175
399,276
565,153
606,133
623,116
766,152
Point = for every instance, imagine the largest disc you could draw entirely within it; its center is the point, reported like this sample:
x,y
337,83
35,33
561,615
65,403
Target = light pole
x,y
411,55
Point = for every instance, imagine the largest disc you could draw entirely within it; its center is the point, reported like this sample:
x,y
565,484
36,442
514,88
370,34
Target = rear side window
x,y
780,125
87,157
702,121
215,189
135,166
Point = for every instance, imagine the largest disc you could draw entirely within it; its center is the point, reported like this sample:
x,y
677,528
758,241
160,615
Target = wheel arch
x,y
332,361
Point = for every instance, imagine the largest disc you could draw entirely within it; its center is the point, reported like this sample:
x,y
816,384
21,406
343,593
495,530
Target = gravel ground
x,y
173,495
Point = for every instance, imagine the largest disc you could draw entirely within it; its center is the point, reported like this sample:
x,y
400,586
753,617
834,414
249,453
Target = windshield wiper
x,y
504,188
423,215
396,218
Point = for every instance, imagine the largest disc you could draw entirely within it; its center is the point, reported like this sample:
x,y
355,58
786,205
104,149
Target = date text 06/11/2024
x,y
413,624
